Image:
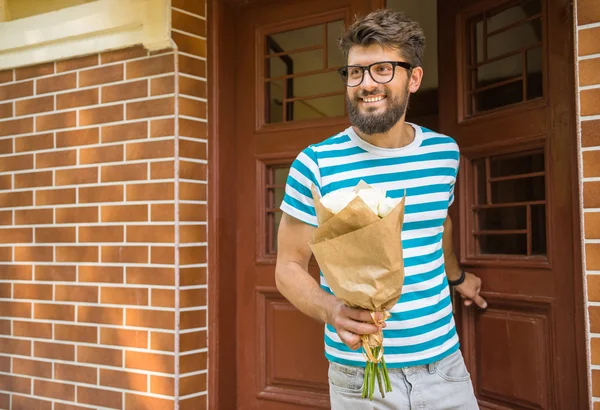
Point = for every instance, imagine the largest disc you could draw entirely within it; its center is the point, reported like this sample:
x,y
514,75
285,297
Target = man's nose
x,y
368,82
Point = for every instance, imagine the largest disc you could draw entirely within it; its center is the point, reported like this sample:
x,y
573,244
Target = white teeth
x,y
374,99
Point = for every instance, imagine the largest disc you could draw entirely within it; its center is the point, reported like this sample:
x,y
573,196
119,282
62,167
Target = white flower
x,y
387,205
337,200
372,197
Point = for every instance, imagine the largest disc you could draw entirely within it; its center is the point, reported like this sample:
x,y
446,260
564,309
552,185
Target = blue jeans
x,y
442,385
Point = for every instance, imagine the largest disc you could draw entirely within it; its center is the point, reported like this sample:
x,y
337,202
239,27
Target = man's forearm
x,y
450,260
297,286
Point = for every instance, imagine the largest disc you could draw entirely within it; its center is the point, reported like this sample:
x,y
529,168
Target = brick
x,y
151,66
5,327
77,214
150,108
34,142
193,87
124,337
14,127
16,163
194,403
163,212
162,385
76,333
100,355
56,83
101,75
128,172
28,403
34,253
125,91
34,71
192,384
6,76
34,216
193,341
31,291
192,319
56,351
587,44
589,72
15,384
162,341
100,397
151,149
80,176
123,380
139,402
6,110
6,218
6,146
56,159
55,197
5,290
192,233
32,329
156,319
76,254
192,191
192,212
56,121
192,149
62,406
125,213
190,45
589,102
15,346
151,233
162,170
73,138
6,254
162,85
74,373
192,108
15,309
124,132
55,273
192,363
588,11
193,6
153,362
111,193
15,272
191,255
591,194
34,368
191,297
192,276
162,255
125,254
150,276
77,63
5,364
162,128
149,192
193,170
123,54
101,115
111,153
16,235
13,91
5,401
77,99
101,233
34,105
124,296
104,315
189,24
71,293
33,179
55,235
54,390
54,311
101,274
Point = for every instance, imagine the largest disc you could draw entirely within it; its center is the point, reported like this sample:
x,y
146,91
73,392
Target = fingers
x,y
359,315
480,301
350,339
358,328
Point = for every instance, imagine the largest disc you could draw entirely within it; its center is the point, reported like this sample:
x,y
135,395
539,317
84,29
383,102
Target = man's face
x,y
372,107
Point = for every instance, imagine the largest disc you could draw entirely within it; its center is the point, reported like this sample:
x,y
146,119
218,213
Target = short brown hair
x,y
390,29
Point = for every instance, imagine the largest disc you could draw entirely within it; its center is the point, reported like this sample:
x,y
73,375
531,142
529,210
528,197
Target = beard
x,y
371,123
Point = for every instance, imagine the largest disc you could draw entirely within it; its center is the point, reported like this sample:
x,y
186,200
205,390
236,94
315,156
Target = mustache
x,y
365,93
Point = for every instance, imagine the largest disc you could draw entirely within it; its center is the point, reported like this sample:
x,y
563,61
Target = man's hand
x,y
469,291
350,323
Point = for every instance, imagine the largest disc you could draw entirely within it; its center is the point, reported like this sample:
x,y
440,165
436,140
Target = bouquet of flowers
x,y
358,248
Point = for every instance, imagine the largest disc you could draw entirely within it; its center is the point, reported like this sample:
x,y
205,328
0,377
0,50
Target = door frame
x,y
222,210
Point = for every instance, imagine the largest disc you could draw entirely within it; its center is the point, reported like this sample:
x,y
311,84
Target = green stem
x,y
366,381
379,382
386,376
372,382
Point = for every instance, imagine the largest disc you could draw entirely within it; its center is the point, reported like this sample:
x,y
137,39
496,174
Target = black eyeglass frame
x,y
364,68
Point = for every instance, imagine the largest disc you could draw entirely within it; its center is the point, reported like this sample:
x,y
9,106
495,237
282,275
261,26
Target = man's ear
x,y
414,82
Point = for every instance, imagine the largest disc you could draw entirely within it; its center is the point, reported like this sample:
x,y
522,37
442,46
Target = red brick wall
x,y
588,56
103,228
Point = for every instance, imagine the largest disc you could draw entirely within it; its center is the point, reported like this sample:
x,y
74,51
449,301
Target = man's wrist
x,y
459,280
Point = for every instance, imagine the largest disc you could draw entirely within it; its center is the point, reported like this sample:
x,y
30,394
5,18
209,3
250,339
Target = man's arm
x,y
470,288
296,285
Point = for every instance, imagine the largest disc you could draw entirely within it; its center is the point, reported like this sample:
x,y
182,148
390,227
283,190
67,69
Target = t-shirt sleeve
x,y
453,183
298,201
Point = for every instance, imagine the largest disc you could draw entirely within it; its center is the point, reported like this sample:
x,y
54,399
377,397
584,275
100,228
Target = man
x,y
384,51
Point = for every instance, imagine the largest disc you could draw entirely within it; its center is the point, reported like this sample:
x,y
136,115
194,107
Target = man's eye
x,y
355,71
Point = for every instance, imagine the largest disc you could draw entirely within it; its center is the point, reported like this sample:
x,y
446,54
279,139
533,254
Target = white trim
x,y
590,25
188,13
85,29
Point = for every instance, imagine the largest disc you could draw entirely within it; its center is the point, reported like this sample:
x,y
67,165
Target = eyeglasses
x,y
381,72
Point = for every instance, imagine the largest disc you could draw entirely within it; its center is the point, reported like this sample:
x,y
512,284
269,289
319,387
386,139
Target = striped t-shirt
x,y
421,329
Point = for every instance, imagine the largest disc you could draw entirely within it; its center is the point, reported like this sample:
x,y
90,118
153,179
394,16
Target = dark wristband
x,y
458,281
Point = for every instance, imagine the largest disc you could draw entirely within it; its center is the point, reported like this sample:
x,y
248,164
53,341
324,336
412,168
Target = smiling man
x,y
384,51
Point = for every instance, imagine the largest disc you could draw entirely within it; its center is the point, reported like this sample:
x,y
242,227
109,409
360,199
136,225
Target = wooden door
x,y
507,97
288,96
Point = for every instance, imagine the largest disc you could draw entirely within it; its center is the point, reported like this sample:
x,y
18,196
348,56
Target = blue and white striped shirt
x,y
421,329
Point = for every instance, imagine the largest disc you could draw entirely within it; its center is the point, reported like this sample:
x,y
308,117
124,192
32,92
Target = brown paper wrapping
x,y
360,254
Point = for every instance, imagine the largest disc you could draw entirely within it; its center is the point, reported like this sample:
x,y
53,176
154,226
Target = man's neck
x,y
399,136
